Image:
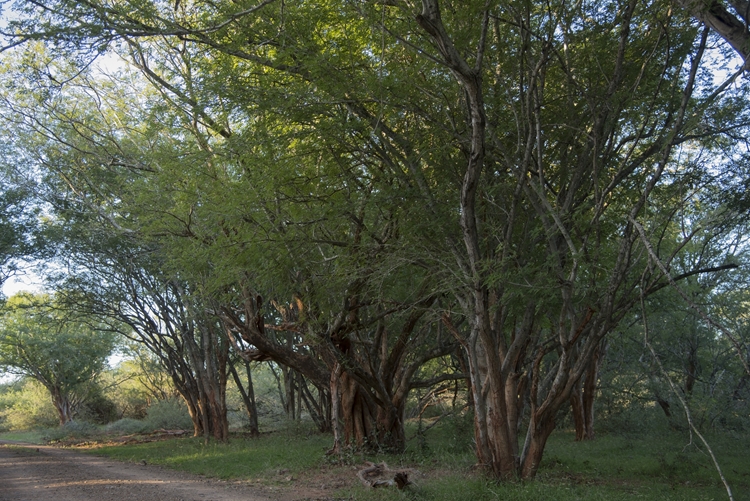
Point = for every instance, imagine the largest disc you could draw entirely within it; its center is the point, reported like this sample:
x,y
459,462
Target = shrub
x,y
25,406
168,414
97,408
71,429
126,426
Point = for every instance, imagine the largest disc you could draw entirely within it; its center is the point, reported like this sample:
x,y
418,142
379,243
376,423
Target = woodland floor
x,y
47,473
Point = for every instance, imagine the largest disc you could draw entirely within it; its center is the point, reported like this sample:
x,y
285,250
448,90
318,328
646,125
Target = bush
x,y
72,429
126,426
26,405
97,408
168,414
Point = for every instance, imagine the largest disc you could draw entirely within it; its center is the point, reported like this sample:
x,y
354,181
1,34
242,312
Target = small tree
x,y
39,341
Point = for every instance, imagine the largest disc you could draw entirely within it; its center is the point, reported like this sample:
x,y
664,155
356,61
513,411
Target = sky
x,y
29,282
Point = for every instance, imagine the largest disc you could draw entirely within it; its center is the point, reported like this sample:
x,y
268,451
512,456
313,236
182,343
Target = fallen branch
x,y
379,475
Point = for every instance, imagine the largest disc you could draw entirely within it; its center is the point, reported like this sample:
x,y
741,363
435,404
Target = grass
x,y
662,466
32,437
658,465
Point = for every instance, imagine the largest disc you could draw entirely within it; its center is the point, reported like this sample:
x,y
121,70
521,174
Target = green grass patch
x,y
32,437
243,458
461,488
20,450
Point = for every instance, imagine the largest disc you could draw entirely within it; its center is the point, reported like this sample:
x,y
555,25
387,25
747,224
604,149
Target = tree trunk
x,y
248,397
356,413
589,391
539,431
367,399
289,392
195,413
583,397
579,420
319,409
208,361
336,425
63,406
691,370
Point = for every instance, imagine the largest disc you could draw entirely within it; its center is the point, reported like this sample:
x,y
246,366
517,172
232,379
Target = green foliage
x,y
25,405
76,430
271,413
20,235
136,382
704,367
97,407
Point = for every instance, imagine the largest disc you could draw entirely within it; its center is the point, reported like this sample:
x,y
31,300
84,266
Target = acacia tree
x,y
161,314
64,353
529,140
623,123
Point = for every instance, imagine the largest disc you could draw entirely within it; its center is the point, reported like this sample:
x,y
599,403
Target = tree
x,y
590,263
63,353
161,314
120,275
523,160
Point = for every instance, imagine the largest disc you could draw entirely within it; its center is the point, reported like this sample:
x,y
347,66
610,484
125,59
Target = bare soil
x,y
46,473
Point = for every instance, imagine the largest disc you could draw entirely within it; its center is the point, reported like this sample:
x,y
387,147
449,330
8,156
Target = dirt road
x,y
43,473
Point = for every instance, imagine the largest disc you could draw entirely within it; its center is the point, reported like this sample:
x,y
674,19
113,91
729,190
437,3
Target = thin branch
x,y
684,296
674,388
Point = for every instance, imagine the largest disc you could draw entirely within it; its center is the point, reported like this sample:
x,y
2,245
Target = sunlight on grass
x,y
32,437
240,458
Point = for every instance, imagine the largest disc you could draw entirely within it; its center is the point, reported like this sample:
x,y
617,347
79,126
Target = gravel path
x,y
43,473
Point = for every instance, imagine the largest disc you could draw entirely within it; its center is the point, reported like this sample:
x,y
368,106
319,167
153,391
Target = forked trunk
x,y
358,421
63,407
195,416
495,434
390,428
207,409
248,397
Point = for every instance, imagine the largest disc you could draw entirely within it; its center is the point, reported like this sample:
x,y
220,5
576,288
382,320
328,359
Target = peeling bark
x,y
731,26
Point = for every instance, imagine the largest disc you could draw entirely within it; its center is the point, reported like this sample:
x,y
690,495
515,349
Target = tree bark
x,y
369,382
584,395
542,429
63,406
732,27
